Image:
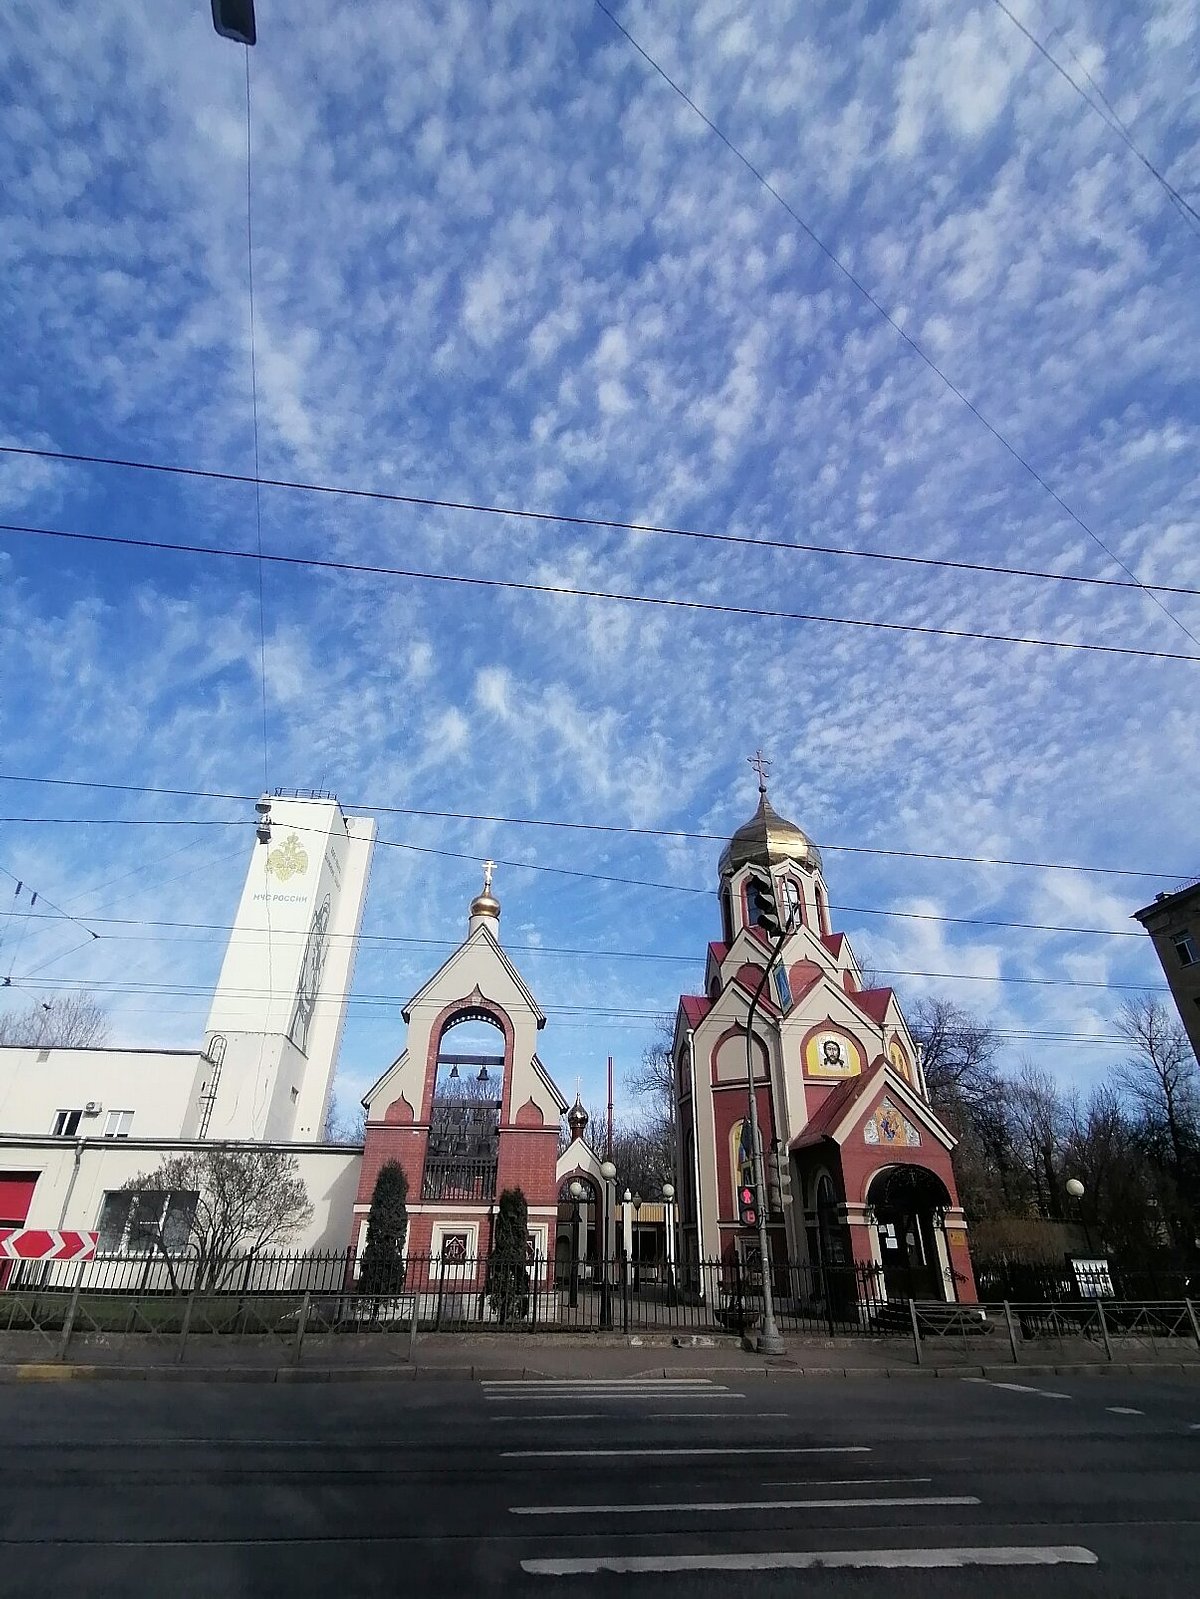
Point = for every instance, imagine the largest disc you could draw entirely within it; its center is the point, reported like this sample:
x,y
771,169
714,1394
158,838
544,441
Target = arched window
x,y
726,915
791,902
464,1121
822,908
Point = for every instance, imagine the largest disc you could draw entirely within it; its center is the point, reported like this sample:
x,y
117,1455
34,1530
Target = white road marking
x,y
562,1396
655,1415
625,1454
845,1482
1018,1388
597,1382
1034,1555
891,1502
1124,1410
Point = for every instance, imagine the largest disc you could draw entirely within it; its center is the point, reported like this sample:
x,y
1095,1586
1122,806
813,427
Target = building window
x,y
139,1221
117,1123
66,1123
792,904
1185,948
783,989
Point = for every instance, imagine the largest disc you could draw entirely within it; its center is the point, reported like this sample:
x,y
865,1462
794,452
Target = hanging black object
x,y
234,19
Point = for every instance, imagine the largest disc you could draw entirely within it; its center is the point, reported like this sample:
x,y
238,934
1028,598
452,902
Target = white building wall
x,y
157,1085
73,1176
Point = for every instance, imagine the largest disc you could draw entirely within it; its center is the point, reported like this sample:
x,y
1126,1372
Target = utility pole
x,y
763,889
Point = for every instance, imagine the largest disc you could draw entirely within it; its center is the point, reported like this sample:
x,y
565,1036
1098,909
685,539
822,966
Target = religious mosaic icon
x,y
831,1055
889,1126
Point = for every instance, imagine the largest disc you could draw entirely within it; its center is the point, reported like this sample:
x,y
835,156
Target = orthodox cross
x,y
762,765
488,868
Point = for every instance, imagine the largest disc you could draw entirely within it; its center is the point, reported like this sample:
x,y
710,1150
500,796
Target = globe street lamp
x,y
576,1193
668,1193
1076,1191
609,1174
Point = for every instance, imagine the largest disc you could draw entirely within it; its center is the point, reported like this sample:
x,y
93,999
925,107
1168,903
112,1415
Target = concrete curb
x,y
47,1372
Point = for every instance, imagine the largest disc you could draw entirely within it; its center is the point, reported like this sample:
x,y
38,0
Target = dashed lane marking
x,y
1124,1410
626,1454
887,1501
1018,1388
650,1415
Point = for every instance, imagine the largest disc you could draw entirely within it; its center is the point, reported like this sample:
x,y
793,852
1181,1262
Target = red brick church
x,y
840,1092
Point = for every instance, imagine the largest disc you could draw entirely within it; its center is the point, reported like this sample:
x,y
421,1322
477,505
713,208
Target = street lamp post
x,y
637,1242
626,1252
769,1340
576,1193
1076,1191
668,1192
608,1172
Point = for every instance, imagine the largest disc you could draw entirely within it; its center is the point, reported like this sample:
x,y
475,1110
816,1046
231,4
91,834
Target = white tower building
x,y
273,1032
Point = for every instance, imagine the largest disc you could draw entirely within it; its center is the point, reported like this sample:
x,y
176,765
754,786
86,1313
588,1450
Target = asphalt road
x,y
1051,1487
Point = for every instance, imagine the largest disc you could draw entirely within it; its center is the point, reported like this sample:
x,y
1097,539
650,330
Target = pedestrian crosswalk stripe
x,y
1034,1555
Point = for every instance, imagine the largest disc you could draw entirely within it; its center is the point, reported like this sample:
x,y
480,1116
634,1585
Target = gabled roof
x,y
481,935
695,1008
845,1106
874,1001
381,1079
833,943
718,951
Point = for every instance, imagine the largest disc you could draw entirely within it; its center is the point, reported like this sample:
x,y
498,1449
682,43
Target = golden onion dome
x,y
486,903
768,839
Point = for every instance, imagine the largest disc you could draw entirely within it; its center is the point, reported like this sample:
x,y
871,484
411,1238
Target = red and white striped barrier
x,y
40,1243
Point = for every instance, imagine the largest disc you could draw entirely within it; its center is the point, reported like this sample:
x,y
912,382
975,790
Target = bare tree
x,y
1040,1125
957,1053
57,1021
1161,1077
237,1200
339,1131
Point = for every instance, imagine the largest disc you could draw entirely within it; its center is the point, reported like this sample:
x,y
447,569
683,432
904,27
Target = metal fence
x,y
1084,1279
323,1298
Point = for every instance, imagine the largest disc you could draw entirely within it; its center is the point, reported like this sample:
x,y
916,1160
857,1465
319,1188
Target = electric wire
x,y
576,519
1111,121
597,827
616,596
913,344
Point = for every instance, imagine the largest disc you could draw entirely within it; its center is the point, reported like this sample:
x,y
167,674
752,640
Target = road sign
x,y
41,1243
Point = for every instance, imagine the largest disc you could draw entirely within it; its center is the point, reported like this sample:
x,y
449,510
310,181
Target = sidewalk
x,y
498,1356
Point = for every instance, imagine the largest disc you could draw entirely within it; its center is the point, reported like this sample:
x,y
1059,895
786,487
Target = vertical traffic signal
x,y
234,19
761,904
747,1206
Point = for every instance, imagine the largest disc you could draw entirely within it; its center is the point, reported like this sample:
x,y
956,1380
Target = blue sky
x,y
497,259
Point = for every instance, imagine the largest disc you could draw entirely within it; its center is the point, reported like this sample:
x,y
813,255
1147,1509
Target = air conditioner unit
x,y
93,1108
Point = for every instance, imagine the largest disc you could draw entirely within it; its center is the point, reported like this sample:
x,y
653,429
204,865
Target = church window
x,y
1185,948
783,988
791,903
726,916
822,909
464,1119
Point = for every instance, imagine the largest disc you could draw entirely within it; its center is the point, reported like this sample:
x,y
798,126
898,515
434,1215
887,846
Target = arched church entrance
x,y
577,1239
908,1205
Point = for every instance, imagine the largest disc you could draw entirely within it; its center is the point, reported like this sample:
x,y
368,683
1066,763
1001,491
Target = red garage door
x,y
16,1192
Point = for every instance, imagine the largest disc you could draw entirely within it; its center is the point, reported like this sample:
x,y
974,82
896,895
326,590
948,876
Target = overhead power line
x,y
1109,118
596,827
537,866
568,591
897,327
576,519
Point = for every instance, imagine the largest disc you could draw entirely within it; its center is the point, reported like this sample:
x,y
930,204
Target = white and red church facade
x,y
840,1094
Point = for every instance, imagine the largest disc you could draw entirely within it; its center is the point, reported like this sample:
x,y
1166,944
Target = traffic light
x,y
234,19
760,902
747,1206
